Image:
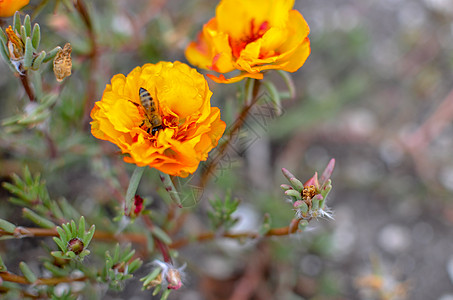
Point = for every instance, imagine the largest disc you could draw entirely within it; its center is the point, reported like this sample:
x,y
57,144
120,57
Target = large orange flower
x,y
189,126
251,36
9,7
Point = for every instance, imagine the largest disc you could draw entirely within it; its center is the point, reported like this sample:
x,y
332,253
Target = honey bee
x,y
153,119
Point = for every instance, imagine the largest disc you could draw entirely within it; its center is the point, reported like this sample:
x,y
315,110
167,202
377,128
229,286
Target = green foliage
x,y
2,265
154,281
7,226
28,273
221,213
73,241
65,296
31,39
119,267
30,192
34,114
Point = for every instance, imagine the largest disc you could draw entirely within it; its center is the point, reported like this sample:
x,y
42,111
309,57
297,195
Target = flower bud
x,y
76,245
174,279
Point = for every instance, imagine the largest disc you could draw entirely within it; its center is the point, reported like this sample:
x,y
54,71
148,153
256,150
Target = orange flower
x,y
251,36
9,7
177,128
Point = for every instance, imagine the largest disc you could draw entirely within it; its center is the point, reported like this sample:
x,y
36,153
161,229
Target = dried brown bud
x,y
62,63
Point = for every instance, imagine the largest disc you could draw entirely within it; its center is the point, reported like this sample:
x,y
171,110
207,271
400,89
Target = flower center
x,y
255,33
309,192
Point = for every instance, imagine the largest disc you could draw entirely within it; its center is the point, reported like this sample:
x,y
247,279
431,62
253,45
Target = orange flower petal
x,y
251,36
9,7
221,78
188,120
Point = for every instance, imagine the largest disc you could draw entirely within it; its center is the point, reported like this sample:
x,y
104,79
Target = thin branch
x,y
22,232
7,276
27,87
92,56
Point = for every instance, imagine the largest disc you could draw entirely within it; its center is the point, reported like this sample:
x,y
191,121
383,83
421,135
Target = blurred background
x,y
376,94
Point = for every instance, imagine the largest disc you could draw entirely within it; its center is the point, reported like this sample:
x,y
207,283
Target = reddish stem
x,y
27,88
139,238
7,276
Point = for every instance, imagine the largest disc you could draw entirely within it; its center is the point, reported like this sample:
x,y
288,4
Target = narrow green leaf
x,y
116,254
315,204
62,234
67,229
74,229
28,273
165,294
89,235
132,189
151,276
3,38
274,95
297,184
129,255
56,211
56,271
38,60
23,36
157,290
28,56
134,265
293,193
2,265
289,82
13,189
37,219
161,235
81,230
28,178
58,254
50,55
36,36
302,206
5,55
60,244
27,25
286,187
7,226
17,21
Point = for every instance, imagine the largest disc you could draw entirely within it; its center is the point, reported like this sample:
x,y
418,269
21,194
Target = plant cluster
x,y
161,119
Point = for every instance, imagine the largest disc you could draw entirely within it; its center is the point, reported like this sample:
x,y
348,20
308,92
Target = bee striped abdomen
x,y
153,118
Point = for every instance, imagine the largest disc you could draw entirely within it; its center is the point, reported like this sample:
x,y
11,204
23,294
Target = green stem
x,y
170,188
289,83
132,189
